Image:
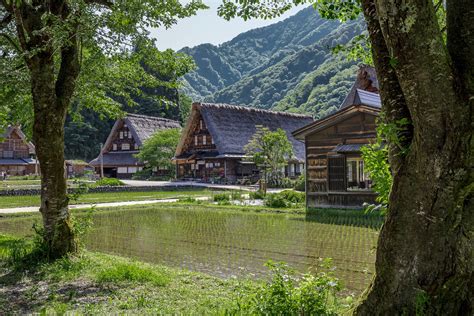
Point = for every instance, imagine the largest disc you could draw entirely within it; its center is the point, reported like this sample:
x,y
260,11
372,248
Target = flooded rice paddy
x,y
227,243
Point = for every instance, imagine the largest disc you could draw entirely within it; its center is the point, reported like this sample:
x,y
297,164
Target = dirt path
x,y
31,209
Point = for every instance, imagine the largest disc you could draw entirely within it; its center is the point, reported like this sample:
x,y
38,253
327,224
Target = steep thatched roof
x,y
364,90
143,127
232,126
15,128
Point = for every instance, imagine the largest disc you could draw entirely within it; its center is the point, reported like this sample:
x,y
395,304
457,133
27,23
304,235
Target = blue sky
x,y
207,27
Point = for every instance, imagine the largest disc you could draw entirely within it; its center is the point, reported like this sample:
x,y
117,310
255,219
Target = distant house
x,y
124,141
335,174
77,168
17,154
213,140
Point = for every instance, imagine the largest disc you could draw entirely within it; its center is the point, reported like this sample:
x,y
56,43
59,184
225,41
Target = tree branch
x,y
393,100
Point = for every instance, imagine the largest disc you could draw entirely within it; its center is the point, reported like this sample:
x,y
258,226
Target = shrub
x,y
257,195
108,182
187,199
220,197
284,295
293,196
284,183
300,183
236,195
275,200
144,174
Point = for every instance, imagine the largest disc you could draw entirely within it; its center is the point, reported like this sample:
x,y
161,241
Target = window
x,y
200,124
121,135
125,146
217,164
357,179
204,140
135,146
125,133
8,154
132,169
114,147
122,170
212,140
196,140
129,135
336,165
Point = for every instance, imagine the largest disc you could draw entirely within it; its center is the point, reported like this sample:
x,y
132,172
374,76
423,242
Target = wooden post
x,y
101,162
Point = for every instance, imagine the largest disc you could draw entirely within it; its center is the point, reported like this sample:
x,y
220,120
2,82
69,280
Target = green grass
x,y
34,200
101,284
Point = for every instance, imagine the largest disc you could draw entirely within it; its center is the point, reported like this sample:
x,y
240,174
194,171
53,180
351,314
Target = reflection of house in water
x,y
124,142
335,173
212,143
17,153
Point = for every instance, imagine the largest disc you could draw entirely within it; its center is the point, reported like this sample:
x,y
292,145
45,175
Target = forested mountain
x,y
287,66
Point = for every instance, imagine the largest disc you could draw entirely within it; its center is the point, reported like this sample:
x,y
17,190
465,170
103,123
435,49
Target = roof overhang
x,y
332,119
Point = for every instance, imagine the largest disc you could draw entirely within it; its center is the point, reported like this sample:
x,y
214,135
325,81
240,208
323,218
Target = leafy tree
x,y
159,149
423,52
270,151
57,51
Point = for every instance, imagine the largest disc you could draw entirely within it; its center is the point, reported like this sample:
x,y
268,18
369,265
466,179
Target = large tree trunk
x,y
52,91
425,252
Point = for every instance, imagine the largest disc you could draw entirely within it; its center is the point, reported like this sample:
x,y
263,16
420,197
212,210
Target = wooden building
x,y
117,157
78,168
212,143
335,174
17,154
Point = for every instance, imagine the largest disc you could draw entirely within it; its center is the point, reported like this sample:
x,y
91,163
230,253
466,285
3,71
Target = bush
x,y
284,295
188,199
108,182
275,200
236,195
300,184
257,195
284,183
221,197
293,196
144,174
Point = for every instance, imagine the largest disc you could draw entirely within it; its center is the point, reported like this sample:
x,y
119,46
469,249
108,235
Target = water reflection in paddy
x,y
229,243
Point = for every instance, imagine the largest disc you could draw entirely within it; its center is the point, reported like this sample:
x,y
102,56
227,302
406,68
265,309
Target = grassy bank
x,y
34,200
95,283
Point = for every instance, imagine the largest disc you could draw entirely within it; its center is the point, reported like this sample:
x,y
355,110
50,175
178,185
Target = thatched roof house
x,y
16,152
335,175
216,134
124,142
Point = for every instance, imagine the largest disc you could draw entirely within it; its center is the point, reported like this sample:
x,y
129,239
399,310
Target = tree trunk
x,y
425,252
52,91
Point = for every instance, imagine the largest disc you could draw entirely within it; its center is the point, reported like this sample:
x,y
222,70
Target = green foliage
x,y
257,195
108,182
285,198
358,49
270,151
131,272
376,158
221,197
284,294
284,183
293,196
275,200
159,149
300,183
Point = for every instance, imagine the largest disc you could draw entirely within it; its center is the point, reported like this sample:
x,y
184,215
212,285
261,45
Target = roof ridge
x,y
149,117
251,109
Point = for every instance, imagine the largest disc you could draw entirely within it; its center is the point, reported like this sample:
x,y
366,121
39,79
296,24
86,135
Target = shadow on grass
x,y
345,217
